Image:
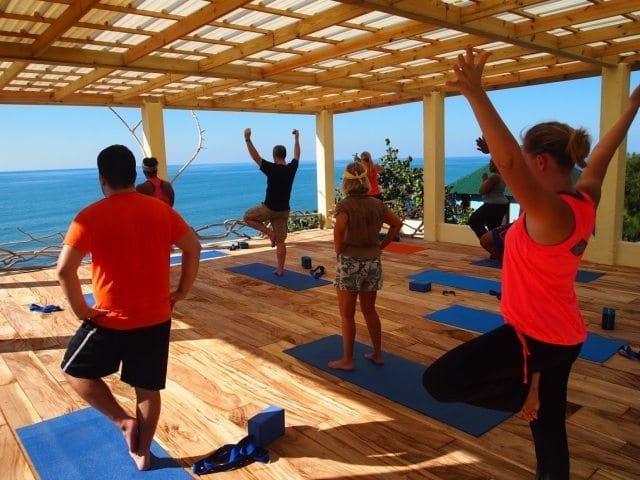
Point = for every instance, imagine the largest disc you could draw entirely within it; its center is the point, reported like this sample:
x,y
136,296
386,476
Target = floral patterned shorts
x,y
358,274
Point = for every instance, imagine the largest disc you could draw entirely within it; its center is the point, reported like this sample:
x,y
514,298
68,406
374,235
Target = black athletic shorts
x,y
95,352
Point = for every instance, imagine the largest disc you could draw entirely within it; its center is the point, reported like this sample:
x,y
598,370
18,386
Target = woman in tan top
x,y
358,219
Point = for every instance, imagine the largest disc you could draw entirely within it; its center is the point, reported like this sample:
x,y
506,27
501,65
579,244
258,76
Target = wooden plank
x,y
14,463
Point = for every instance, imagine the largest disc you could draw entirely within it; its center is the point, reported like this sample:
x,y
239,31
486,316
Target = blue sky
x,y
37,138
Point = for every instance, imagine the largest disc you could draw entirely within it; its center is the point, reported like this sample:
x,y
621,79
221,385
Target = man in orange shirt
x,y
129,236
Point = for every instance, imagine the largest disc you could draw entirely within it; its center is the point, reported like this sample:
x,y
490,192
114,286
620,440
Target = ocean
x,y
45,202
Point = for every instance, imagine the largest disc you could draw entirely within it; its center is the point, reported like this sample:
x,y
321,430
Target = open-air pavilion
x,y
323,58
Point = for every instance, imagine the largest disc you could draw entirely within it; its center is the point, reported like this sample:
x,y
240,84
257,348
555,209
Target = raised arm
x,y
546,212
296,144
593,175
252,150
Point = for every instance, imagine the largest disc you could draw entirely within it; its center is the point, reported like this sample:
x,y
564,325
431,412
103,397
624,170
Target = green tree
x,y
402,184
631,222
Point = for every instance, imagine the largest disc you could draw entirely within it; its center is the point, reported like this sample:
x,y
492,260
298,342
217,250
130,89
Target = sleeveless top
x,y
496,195
373,180
158,192
366,216
538,294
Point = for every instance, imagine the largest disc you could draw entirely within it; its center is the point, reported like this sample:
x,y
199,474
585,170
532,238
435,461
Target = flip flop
x,y
448,292
34,307
317,272
230,457
628,352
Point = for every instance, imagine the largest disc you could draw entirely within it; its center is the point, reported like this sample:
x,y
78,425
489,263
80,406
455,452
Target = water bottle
x,y
608,318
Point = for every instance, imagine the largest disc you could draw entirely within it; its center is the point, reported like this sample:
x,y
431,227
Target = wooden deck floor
x,y
227,364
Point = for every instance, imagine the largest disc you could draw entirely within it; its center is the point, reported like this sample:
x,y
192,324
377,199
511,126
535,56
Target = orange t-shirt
x,y
538,294
129,236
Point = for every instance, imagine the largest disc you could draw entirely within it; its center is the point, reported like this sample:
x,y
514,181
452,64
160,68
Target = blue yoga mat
x,y
291,280
85,444
583,276
204,255
456,280
596,348
399,380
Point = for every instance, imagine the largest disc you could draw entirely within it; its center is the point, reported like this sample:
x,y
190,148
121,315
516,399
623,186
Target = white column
x,y
433,171
153,127
325,166
614,99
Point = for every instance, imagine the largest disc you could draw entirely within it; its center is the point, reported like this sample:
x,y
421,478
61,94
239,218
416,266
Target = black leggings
x,y
487,217
488,372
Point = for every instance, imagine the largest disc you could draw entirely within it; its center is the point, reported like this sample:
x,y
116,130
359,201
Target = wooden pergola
x,y
320,57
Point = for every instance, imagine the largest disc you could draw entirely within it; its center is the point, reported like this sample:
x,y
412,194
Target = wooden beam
x,y
450,16
83,81
361,42
284,34
71,15
12,72
148,86
205,15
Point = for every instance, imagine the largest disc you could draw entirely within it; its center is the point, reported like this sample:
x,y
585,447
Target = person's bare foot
x,y
143,461
278,272
129,428
377,359
341,364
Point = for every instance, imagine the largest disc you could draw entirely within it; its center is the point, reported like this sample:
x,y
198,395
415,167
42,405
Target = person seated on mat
x,y
154,185
495,204
275,208
373,169
129,237
358,219
524,365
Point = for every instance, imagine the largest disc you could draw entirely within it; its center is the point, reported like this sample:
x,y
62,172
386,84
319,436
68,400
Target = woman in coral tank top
x,y
524,365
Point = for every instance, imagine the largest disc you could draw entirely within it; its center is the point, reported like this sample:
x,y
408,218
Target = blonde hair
x,y
354,179
566,145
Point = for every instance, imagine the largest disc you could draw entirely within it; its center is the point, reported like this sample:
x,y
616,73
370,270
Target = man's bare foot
x,y
377,359
129,428
143,462
341,364
278,272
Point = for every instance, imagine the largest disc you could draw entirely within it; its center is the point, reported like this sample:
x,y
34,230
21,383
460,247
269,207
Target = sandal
x,y
317,272
628,352
230,457
448,292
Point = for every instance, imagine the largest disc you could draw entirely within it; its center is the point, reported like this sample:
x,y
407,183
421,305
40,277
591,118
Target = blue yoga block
x,y
306,262
267,425
417,286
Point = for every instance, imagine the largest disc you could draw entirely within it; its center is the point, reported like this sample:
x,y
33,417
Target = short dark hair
x,y
279,151
151,162
118,166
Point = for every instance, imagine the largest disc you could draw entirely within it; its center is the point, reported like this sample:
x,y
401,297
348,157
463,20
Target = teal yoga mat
x,y
582,276
596,348
456,280
86,445
399,380
291,280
